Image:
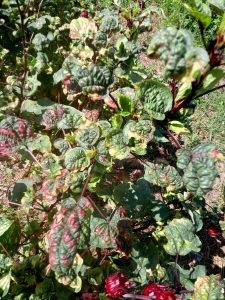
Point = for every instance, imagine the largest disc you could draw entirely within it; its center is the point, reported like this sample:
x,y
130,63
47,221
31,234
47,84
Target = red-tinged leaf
x,y
65,234
14,133
51,188
52,116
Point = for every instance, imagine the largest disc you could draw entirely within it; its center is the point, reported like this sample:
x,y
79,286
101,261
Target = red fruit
x,y
151,288
116,285
84,14
159,292
213,231
166,295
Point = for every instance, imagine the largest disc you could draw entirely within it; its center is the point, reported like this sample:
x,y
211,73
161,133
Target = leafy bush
x,y
113,204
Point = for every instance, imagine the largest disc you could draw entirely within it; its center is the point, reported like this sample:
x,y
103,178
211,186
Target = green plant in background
x,y
112,201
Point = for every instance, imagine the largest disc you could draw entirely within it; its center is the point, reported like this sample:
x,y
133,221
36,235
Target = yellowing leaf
x,y
82,28
178,127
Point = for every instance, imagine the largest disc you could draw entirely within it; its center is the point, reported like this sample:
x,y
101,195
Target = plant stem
x,y
6,251
210,91
34,158
96,207
141,297
175,270
173,139
202,33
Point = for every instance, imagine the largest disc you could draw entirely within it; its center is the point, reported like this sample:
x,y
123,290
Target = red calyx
x,y
116,285
84,14
159,292
213,231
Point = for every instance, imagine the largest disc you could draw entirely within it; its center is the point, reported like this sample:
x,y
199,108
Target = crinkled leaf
x,y
88,136
76,159
14,134
65,232
171,46
116,143
163,176
208,288
109,24
181,237
199,166
156,98
93,79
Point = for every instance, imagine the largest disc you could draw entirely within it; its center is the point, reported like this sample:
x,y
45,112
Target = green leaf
x,y
200,11
5,224
171,46
140,131
156,98
109,24
117,144
163,176
88,136
117,121
213,77
104,231
76,159
20,187
184,90
208,288
41,144
199,167
5,284
135,198
181,238
178,127
144,258
126,105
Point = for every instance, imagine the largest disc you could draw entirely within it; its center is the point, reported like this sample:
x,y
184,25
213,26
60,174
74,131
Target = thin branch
x,y
210,91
